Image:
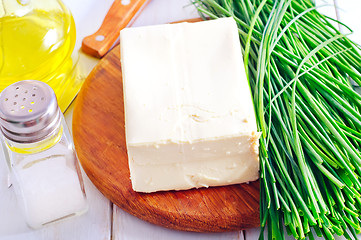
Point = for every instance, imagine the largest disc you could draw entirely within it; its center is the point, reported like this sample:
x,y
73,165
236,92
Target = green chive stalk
x,y
299,68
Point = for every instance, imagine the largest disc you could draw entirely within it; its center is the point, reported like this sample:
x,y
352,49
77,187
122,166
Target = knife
x,y
121,14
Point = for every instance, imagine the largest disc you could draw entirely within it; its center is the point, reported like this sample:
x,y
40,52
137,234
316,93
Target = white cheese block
x,y
189,116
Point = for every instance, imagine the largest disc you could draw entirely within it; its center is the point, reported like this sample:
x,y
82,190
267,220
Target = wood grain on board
x,y
98,130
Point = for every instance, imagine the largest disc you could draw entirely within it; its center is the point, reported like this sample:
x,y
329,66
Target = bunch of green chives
x,y
299,68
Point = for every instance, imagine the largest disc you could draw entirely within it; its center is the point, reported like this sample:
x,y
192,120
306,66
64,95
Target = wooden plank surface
x,y
126,226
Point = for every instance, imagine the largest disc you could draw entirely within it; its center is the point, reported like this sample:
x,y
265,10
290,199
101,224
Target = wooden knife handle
x,y
118,17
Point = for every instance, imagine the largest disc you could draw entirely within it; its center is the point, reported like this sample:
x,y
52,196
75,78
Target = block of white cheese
x,y
189,116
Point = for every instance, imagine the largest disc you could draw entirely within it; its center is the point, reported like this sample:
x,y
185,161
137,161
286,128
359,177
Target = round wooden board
x,y
98,129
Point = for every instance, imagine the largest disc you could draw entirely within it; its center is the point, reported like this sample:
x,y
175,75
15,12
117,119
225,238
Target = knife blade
x,y
121,13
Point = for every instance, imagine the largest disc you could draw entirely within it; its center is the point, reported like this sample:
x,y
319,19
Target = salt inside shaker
x,y
39,150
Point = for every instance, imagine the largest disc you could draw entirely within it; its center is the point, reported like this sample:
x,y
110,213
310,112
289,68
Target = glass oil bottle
x,y
37,38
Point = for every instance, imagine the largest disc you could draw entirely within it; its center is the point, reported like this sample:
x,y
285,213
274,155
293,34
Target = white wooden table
x,y
104,220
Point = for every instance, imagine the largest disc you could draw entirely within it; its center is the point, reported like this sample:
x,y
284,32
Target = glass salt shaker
x,y
40,153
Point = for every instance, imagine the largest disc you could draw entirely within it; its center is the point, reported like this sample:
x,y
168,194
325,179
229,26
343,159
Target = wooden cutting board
x,y
98,130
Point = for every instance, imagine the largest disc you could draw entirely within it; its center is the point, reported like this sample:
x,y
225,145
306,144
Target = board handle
x,y
118,17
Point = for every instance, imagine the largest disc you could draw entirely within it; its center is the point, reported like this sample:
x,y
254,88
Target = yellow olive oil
x,y
38,46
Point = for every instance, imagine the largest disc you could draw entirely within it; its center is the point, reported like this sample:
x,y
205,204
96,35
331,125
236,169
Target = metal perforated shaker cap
x,y
29,111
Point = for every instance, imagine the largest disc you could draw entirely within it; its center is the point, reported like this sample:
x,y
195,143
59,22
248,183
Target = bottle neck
x,y
35,147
